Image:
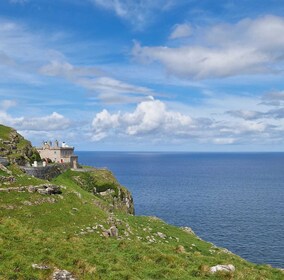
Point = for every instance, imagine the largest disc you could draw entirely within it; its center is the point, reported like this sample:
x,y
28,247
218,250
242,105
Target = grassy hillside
x,y
15,147
67,231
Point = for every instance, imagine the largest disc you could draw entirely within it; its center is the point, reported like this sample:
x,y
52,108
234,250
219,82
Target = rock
x,y
113,231
107,192
222,267
188,230
226,251
32,189
3,162
62,275
48,189
106,233
27,203
40,266
42,191
161,235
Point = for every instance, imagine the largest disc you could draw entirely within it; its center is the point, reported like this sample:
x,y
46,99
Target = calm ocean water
x,y
235,200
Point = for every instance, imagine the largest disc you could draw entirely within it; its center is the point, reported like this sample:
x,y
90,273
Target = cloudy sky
x,y
163,75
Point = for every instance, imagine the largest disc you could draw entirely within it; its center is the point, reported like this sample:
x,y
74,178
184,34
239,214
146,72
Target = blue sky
x,y
161,75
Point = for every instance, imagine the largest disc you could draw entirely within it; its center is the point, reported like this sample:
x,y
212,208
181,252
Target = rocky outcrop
x,y
124,201
15,148
104,185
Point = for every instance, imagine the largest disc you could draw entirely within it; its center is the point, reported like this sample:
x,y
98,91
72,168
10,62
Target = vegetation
x,y
65,231
15,147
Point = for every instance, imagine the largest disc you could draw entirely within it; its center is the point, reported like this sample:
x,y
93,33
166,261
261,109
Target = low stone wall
x,y
46,172
42,189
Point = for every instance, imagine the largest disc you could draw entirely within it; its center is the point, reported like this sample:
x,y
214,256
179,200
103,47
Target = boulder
x,y
113,231
222,267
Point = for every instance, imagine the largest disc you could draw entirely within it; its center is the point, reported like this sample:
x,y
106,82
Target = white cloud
x,y
274,98
65,69
138,12
108,89
6,104
25,57
247,47
153,121
150,117
50,122
202,63
224,141
22,52
254,115
181,31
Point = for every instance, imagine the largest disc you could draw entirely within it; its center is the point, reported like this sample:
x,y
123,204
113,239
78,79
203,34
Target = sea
x,y
234,200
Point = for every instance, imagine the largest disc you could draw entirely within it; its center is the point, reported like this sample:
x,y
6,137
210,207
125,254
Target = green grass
x,y
5,132
49,233
22,179
100,179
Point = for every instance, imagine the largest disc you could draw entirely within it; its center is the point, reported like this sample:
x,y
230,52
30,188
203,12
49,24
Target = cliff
x,y
103,185
15,148
80,226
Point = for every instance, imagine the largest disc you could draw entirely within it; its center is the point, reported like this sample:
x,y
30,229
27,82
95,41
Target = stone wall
x,y
46,172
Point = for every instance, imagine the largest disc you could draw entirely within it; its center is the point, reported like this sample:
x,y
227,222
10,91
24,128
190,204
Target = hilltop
x,y
15,147
83,222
